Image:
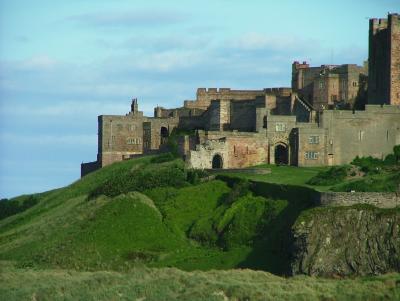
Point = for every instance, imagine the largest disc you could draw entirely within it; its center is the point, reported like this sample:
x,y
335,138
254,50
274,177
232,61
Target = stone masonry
x,y
323,119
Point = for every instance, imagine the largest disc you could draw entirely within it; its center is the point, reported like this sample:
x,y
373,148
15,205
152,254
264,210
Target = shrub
x,y
396,152
390,159
333,175
194,175
152,176
8,208
167,157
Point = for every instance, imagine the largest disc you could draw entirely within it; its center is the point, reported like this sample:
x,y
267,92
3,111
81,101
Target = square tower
x,y
384,61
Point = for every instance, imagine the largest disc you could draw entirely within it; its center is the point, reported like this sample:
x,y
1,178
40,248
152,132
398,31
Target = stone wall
x,y
311,145
372,132
378,199
237,150
89,167
119,136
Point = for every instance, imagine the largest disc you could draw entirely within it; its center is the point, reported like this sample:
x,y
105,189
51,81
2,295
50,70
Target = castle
x,y
330,115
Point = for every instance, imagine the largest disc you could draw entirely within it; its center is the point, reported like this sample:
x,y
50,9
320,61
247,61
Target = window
x,y
313,140
334,98
131,127
361,135
133,140
355,84
321,84
280,127
311,155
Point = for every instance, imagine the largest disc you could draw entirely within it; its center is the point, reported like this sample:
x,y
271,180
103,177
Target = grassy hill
x,y
137,215
173,284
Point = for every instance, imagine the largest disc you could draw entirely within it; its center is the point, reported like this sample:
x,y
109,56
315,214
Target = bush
x,y
239,189
396,152
167,157
390,159
389,184
368,164
152,176
8,208
333,175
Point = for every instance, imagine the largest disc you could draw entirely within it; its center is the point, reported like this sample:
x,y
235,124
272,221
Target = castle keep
x,y
329,115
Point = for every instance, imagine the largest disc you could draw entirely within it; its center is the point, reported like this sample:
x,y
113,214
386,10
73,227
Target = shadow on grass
x,y
272,251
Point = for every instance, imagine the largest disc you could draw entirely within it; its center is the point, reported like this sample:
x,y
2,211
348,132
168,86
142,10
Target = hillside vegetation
x,y
137,215
173,284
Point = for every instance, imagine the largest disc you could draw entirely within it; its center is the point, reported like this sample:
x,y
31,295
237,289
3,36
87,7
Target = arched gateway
x,y
217,161
281,154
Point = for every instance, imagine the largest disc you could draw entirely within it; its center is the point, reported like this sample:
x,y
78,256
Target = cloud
x,y
49,139
39,62
146,18
259,41
69,108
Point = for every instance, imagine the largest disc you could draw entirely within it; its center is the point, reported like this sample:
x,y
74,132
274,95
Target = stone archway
x,y
217,162
164,133
281,154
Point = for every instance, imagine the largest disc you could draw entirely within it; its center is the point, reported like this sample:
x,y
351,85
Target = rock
x,y
345,241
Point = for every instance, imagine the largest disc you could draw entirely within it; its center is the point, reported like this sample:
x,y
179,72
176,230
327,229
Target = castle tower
x,y
384,61
134,106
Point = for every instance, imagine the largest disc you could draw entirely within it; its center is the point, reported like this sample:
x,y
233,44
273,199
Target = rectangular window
x,y
313,140
361,135
311,155
321,84
280,127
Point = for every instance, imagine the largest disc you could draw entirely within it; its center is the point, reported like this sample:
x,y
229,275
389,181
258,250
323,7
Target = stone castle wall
x,y
378,199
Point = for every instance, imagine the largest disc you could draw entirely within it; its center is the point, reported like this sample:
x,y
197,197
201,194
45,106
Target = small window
x,y
313,140
355,84
280,127
112,138
321,84
311,155
360,135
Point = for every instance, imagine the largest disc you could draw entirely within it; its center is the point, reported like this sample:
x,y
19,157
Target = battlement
x,y
224,91
281,91
296,65
376,25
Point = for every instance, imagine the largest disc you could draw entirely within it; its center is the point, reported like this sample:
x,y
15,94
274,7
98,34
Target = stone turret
x,y
134,106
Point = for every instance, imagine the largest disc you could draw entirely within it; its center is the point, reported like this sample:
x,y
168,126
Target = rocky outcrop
x,y
346,240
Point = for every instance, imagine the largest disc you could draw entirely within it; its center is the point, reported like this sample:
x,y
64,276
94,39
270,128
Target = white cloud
x,y
39,62
44,140
131,18
259,41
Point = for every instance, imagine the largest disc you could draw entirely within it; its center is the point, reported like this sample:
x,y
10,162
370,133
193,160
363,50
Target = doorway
x,y
217,162
281,154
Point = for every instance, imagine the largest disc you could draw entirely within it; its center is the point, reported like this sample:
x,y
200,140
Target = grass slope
x,y
172,284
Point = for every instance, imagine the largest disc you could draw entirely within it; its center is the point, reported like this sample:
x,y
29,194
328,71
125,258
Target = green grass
x,y
219,224
172,284
285,175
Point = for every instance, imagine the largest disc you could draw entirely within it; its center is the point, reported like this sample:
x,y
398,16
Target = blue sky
x,y
62,63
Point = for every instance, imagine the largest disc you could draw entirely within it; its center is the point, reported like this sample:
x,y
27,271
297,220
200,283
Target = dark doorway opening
x,y
217,161
281,155
164,135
